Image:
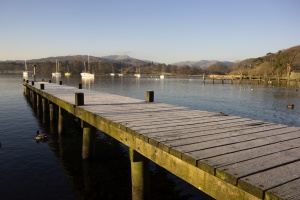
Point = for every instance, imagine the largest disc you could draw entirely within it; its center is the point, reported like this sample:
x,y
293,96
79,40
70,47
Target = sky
x,y
165,31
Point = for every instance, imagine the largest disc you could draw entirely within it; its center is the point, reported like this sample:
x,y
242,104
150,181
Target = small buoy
x,y
290,105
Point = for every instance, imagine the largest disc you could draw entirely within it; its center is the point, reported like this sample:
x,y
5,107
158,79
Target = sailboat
x,y
25,73
56,73
162,76
68,73
87,74
138,74
113,71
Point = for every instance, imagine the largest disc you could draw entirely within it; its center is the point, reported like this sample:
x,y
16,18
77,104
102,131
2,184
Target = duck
x,y
290,106
39,136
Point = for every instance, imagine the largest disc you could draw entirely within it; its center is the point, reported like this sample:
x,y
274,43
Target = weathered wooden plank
x,y
257,183
203,153
251,133
286,191
232,172
277,135
210,164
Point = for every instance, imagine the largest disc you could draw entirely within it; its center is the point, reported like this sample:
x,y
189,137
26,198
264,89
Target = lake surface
x,y
55,170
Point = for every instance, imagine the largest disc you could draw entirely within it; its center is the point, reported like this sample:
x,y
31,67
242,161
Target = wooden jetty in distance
x,y
227,157
225,79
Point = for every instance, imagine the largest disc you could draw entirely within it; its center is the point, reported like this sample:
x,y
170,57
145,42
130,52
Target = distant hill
x,y
204,64
84,58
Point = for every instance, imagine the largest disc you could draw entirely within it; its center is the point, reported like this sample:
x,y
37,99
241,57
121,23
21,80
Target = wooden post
x,y
51,112
139,176
60,82
80,86
79,99
38,104
49,81
150,96
42,86
60,120
32,82
44,109
27,81
88,141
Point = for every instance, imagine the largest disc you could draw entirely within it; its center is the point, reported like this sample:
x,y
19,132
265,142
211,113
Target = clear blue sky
x,y
165,31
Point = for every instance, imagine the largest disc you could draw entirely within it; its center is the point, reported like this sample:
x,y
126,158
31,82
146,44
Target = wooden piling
x,y
139,176
42,86
88,141
60,82
60,120
51,112
150,96
49,81
80,86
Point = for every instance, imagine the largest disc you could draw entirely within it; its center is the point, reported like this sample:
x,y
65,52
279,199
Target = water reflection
x,y
87,82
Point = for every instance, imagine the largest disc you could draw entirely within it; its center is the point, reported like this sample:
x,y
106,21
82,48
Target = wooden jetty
x,y
227,157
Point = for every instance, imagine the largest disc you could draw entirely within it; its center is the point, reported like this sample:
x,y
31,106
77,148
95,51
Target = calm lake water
x,y
55,170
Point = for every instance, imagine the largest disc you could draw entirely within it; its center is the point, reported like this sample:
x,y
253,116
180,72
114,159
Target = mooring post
x,y
60,82
32,82
49,81
88,140
42,86
80,86
79,99
60,120
149,96
139,176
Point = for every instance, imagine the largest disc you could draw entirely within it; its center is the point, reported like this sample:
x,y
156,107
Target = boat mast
x,y
89,62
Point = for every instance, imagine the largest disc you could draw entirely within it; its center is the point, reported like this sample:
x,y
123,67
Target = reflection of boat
x,y
56,73
87,81
25,73
68,73
87,73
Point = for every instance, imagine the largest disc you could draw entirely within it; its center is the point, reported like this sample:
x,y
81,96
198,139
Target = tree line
x,y
279,64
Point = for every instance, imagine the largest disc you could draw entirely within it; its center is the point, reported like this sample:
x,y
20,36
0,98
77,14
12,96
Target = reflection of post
x,y
86,175
139,176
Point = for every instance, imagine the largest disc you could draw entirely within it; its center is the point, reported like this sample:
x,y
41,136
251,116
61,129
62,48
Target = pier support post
x,y
60,120
150,96
139,176
51,112
44,109
88,141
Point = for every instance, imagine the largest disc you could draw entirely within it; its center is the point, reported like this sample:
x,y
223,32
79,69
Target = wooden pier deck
x,y
227,157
